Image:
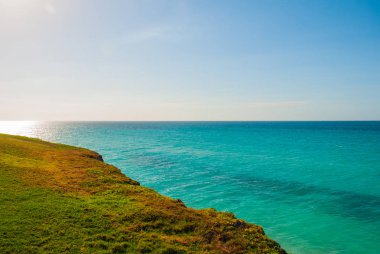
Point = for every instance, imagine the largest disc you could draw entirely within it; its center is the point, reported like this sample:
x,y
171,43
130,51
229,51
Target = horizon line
x,y
373,120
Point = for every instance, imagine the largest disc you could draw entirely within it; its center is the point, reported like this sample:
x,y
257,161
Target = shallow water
x,y
313,186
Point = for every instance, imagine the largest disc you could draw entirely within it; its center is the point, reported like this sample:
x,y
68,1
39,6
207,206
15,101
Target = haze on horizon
x,y
189,60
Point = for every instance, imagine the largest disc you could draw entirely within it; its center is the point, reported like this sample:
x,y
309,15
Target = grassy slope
x,y
56,198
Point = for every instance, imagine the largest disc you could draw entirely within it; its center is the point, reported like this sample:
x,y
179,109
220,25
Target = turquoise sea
x,y
313,186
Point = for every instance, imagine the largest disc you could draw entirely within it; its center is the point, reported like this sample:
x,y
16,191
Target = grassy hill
x,y
56,198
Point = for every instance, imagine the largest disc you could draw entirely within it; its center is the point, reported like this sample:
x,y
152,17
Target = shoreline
x,y
134,218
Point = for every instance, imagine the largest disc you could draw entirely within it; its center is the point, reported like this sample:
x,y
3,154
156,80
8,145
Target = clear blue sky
x,y
189,60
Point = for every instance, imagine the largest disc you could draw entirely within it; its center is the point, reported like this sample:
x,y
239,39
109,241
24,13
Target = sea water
x,y
313,186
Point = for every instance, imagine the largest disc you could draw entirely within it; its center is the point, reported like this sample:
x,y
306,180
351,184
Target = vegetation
x,y
56,198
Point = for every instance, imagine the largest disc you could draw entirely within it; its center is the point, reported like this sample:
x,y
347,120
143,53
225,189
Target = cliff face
x,y
56,198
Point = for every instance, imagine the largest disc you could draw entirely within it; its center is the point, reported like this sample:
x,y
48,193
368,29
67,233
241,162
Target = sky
x,y
192,60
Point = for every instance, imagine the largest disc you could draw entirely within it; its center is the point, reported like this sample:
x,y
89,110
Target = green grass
x,y
60,199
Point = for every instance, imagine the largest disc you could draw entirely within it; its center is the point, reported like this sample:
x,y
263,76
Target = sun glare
x,y
16,127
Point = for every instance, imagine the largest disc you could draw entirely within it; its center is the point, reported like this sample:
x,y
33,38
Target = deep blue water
x,y
313,186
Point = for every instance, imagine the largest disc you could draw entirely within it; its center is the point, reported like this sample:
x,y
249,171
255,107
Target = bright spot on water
x,y
17,127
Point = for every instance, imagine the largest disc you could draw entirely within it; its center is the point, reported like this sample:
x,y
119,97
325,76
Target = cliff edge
x,y
56,198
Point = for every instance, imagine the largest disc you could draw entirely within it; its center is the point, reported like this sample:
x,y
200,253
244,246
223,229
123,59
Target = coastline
x,y
98,209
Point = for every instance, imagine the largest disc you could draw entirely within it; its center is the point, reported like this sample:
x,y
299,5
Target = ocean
x,y
313,186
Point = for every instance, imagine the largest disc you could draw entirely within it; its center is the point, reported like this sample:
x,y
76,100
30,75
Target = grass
x,y
60,199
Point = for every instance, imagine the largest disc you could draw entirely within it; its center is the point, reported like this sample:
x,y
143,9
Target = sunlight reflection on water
x,y
17,127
